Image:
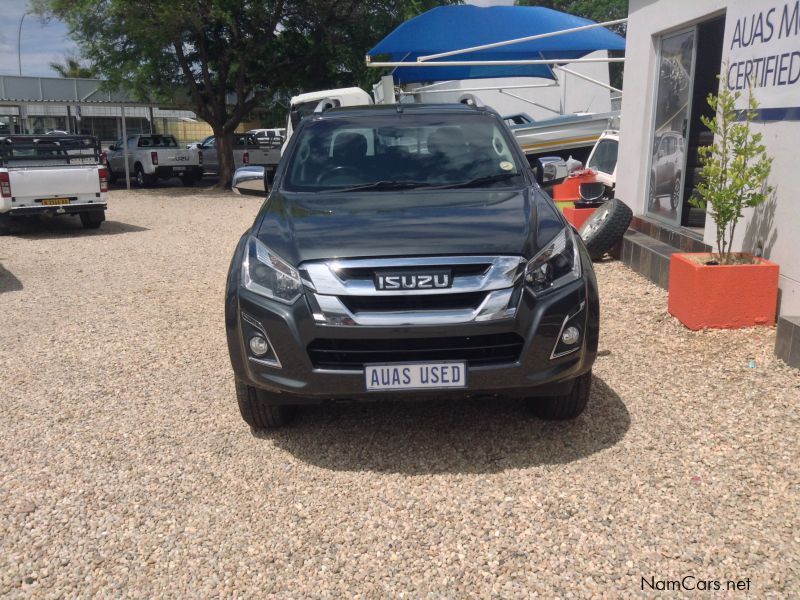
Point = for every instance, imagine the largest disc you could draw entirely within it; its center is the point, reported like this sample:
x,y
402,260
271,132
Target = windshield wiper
x,y
478,181
384,185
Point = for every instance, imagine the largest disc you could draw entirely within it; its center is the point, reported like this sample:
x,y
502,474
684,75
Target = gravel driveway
x,y
125,468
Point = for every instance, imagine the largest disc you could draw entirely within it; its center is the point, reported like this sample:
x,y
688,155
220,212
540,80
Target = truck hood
x,y
302,227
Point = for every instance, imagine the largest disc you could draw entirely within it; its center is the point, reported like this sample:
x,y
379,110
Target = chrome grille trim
x,y
323,278
495,306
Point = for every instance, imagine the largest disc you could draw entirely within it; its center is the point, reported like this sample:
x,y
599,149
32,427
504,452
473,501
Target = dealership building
x,y
675,51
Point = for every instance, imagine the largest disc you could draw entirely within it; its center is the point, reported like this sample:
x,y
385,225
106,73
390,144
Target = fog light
x,y
258,345
569,337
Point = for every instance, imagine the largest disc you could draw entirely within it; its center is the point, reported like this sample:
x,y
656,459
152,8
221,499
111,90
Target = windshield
x,y
604,157
402,151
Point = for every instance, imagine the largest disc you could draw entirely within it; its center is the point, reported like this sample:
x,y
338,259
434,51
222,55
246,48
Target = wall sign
x,y
762,53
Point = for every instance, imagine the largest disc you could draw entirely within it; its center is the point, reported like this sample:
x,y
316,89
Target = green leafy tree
x,y
73,68
224,58
735,167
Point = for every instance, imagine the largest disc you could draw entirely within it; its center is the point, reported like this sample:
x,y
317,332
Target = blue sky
x,y
43,43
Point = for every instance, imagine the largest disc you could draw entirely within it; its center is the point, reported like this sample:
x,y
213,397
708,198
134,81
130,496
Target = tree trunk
x,y
225,157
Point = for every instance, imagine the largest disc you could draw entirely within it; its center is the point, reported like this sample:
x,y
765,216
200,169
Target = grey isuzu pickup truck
x,y
407,252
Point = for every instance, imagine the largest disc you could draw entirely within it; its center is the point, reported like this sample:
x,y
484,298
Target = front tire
x,y
675,196
258,412
566,406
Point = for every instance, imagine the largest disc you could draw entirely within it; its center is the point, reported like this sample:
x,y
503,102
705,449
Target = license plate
x,y
54,201
178,168
415,376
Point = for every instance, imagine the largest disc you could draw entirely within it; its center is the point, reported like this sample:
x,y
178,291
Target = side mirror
x,y
112,147
550,170
250,181
294,117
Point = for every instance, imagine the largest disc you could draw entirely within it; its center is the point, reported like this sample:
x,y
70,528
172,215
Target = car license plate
x,y
415,376
54,201
178,168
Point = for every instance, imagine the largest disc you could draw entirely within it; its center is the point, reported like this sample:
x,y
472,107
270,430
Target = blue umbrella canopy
x,y
447,28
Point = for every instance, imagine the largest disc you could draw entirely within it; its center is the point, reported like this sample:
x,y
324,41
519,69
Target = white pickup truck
x,y
247,150
152,157
51,174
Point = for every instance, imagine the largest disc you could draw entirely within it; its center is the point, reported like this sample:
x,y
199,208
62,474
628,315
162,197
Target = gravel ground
x,y
125,469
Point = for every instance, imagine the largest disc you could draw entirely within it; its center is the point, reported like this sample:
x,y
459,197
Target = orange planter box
x,y
577,216
722,296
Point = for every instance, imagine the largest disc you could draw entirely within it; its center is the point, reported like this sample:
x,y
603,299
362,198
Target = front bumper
x,y
291,329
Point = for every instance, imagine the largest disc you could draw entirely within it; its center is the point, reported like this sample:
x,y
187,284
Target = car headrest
x,y
349,146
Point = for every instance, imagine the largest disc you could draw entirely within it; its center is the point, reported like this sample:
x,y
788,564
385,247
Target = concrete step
x,y
677,237
647,256
787,341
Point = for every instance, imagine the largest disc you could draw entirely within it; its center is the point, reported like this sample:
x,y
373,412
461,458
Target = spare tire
x,y
605,227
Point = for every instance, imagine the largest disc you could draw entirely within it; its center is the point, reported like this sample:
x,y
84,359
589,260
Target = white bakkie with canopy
x,y
52,175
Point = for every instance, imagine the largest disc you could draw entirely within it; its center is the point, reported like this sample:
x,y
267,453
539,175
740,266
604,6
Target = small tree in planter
x,y
735,168
727,289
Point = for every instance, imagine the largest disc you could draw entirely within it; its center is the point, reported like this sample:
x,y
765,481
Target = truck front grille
x,y
350,354
344,293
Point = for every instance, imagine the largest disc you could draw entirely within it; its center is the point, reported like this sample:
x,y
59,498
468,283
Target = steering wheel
x,y
339,170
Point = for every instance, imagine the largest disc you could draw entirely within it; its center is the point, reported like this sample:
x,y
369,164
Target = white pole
x,y
125,151
479,89
587,78
494,63
528,38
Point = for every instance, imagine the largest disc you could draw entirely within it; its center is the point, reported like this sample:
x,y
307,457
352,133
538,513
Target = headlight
x,y
265,273
558,263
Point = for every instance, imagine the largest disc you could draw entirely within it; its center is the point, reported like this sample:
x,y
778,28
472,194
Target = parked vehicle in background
x,y
666,172
268,133
603,159
408,253
304,105
246,151
52,175
152,157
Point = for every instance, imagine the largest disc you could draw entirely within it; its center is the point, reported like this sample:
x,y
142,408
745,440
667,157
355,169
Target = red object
x,y
246,158
569,190
577,216
722,296
103,174
5,185
154,157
